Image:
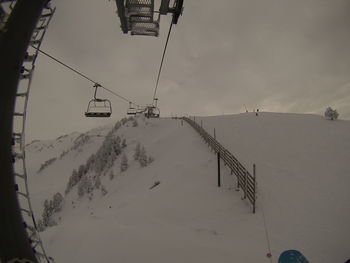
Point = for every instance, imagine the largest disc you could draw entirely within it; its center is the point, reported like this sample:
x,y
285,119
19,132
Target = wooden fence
x,y
245,180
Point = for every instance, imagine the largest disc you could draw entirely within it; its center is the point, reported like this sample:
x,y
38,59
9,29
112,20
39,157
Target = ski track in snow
x,y
303,178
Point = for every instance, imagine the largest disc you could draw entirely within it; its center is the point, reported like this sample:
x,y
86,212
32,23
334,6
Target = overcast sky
x,y
275,55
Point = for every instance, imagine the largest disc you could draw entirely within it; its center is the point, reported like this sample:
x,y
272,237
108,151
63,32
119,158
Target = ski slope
x,y
302,174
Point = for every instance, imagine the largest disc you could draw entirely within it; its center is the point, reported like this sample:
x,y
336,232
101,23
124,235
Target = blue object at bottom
x,y
292,256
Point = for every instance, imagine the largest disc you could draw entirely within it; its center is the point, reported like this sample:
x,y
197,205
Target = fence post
x,y
219,181
201,124
245,184
194,118
214,134
182,122
254,180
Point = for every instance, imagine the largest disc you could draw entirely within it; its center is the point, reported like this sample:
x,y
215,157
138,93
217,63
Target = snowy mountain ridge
x,y
171,210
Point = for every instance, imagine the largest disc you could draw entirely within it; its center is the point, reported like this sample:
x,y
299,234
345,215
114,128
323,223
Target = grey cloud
x,y
287,56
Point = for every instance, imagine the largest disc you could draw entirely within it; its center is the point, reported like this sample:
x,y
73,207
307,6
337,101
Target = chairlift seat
x,y
145,29
98,114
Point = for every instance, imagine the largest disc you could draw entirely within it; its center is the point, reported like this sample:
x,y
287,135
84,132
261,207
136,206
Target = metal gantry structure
x,y
139,16
23,25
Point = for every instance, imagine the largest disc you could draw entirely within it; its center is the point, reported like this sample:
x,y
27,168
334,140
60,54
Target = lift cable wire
x,y
266,231
84,76
161,63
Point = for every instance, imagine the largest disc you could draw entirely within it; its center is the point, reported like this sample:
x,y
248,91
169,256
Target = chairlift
x,y
98,108
152,112
140,110
131,110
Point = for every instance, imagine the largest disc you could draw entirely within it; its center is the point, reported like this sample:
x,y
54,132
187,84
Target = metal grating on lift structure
x,y
137,16
29,247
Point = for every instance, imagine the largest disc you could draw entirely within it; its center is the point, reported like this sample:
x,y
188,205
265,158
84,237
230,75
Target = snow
x,y
302,172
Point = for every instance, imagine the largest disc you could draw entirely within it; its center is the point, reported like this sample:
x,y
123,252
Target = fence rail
x,y
245,180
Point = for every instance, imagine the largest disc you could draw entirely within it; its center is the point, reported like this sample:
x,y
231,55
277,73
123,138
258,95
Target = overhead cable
x,y
161,63
83,75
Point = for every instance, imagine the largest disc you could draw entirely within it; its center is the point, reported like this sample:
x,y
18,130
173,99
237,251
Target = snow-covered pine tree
x,y
103,190
143,157
124,163
97,181
48,211
57,202
124,143
331,114
124,120
111,175
110,159
117,126
72,181
137,152
150,159
116,146
85,186
40,225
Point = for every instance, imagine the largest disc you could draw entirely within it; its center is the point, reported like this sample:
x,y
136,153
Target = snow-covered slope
x,y
302,174
67,152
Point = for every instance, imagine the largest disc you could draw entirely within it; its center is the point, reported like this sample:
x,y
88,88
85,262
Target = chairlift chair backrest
x,y
152,112
131,110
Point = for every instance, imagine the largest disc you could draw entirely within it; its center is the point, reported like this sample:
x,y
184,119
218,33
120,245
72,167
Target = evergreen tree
x,y
124,163
143,157
57,202
85,186
97,182
111,175
117,126
116,146
103,190
124,143
137,152
150,160
331,114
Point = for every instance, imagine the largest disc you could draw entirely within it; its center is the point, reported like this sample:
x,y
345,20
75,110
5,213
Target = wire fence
x,y
245,180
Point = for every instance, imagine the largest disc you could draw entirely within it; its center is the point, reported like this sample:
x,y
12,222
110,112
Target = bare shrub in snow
x,y
124,163
331,114
134,123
